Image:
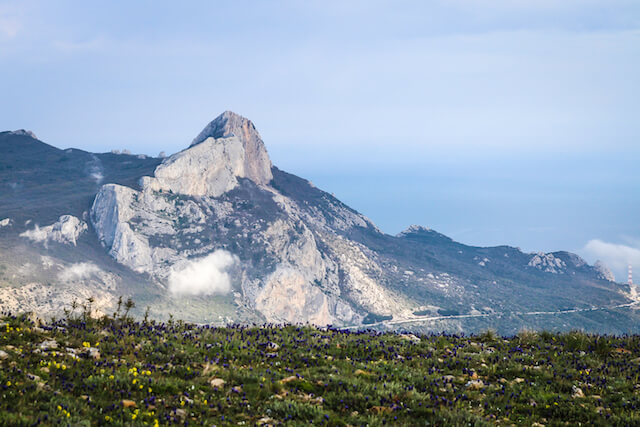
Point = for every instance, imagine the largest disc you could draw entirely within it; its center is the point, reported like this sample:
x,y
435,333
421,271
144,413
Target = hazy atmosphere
x,y
493,122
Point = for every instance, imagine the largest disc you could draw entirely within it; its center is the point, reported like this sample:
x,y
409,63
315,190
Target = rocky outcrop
x,y
256,162
287,296
66,230
112,209
209,169
547,263
227,149
414,229
24,132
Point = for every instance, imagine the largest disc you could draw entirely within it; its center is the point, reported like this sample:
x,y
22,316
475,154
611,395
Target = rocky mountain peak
x,y
228,148
24,133
257,165
226,125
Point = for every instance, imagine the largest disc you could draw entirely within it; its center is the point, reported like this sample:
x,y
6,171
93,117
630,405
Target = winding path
x,y
495,314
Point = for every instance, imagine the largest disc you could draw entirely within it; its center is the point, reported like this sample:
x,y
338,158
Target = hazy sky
x,y
494,122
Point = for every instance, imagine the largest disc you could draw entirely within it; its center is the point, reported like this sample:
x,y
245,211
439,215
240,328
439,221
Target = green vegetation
x,y
375,318
116,371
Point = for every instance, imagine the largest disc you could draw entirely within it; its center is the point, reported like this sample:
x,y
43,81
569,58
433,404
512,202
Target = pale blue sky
x,y
495,122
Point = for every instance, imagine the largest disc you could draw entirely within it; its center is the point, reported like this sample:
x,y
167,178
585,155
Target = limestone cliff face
x,y
227,149
256,163
112,209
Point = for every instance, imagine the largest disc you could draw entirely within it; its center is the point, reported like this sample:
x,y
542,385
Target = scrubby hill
x,y
114,371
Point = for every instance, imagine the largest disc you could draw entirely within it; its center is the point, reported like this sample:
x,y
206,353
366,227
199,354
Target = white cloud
x,y
37,234
616,256
96,171
79,271
203,276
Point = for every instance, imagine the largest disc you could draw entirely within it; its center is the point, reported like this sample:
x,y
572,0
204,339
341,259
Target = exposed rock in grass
x,y
475,384
48,345
217,383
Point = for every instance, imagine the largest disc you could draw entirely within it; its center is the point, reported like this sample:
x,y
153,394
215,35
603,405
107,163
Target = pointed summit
x,y
228,148
257,165
226,125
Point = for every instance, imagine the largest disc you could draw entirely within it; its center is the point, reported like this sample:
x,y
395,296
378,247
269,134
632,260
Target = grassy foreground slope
x,y
115,371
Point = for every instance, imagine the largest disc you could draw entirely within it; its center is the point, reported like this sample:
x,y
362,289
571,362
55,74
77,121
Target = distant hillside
x,y
217,234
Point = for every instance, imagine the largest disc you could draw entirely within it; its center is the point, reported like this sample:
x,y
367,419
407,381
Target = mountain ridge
x,y
281,249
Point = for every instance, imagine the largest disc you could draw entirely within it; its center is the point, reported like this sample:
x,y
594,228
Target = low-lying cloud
x,y
79,271
95,169
37,234
616,256
203,276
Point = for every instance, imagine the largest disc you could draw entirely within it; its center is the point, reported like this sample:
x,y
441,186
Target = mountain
x,y
217,234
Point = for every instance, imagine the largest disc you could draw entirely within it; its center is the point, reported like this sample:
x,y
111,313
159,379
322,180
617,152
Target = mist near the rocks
x,y
616,256
204,276
78,271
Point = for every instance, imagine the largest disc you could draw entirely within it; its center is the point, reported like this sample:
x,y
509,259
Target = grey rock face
x,y
227,149
112,208
257,165
412,229
547,263
210,168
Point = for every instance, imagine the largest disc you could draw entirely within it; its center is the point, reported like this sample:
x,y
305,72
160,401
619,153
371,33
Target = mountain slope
x,y
215,233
